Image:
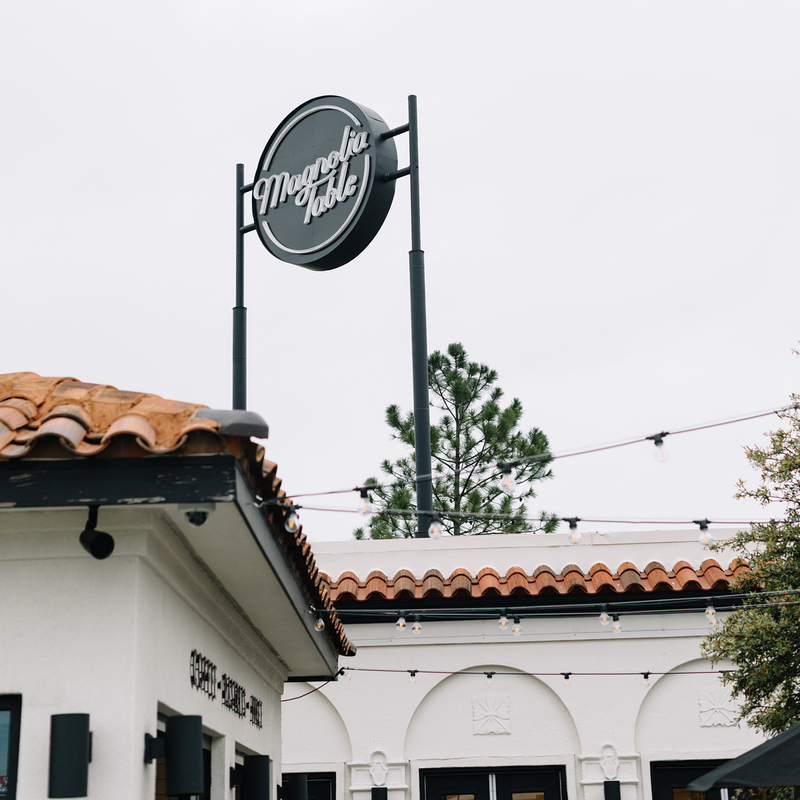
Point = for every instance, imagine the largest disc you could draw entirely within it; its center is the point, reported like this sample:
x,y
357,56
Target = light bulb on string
x,y
617,623
516,628
705,538
507,482
489,676
574,534
646,676
401,621
604,616
346,675
364,506
503,621
319,622
661,455
292,521
412,676
435,529
711,613
566,678
416,626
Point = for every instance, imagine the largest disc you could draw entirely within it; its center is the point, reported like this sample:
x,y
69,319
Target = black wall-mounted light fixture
x,y
96,543
70,754
295,786
182,751
253,777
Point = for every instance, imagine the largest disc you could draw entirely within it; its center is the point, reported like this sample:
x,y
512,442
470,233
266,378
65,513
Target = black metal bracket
x,y
153,748
236,777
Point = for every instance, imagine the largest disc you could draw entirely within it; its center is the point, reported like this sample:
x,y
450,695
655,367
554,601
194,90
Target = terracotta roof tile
x,y
488,582
714,574
686,576
544,581
461,583
573,579
62,418
432,583
630,578
517,581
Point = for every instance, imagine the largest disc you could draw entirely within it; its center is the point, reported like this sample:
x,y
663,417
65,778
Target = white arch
x,y
518,720
325,740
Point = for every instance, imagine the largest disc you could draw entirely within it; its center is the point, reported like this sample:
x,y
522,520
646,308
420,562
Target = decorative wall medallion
x,y
609,761
378,768
716,708
491,715
608,765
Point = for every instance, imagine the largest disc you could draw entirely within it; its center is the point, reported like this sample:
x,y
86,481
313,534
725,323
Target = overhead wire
x,y
550,456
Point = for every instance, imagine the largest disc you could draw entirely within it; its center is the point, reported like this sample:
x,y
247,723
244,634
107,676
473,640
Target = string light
x,y
604,618
401,621
489,676
661,455
503,621
516,628
416,626
646,676
345,674
364,506
507,482
617,623
435,528
319,622
552,456
574,534
292,521
705,538
711,613
566,678
412,676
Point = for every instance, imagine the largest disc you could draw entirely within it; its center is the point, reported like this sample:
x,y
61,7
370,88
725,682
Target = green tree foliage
x,y
764,641
474,432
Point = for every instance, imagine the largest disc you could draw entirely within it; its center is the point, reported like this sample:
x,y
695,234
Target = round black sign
x,y
319,196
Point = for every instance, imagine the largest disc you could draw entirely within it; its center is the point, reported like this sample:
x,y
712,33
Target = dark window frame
x,y
558,771
699,766
12,703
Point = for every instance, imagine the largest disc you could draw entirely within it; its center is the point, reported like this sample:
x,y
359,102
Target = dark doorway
x,y
670,779
513,783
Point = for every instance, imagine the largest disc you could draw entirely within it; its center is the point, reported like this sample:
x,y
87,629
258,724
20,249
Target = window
x,y
10,710
512,783
670,779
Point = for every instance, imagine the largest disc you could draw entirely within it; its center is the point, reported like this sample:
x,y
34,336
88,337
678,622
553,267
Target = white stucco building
x,y
183,627
612,732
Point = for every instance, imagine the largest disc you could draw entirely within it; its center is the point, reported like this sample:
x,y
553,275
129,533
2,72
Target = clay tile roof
x,y
544,581
63,418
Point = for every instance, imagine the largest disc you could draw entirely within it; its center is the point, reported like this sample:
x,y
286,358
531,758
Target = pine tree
x,y
473,434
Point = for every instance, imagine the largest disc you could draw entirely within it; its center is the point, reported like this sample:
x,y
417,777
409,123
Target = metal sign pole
x,y
419,339
239,311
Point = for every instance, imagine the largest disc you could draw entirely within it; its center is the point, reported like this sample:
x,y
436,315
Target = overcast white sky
x,y
610,218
